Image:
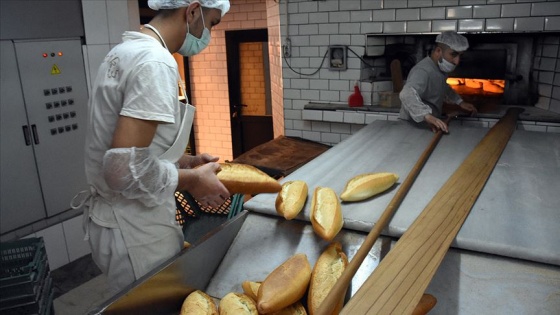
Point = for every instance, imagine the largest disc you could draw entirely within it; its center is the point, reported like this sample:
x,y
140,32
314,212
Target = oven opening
x,y
482,91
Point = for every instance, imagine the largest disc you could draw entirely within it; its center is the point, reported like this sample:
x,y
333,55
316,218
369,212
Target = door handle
x,y
35,134
26,135
237,110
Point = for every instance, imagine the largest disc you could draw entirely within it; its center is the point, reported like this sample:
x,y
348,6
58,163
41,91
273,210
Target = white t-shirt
x,y
138,79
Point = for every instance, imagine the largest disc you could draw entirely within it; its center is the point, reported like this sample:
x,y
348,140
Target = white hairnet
x,y
453,40
222,5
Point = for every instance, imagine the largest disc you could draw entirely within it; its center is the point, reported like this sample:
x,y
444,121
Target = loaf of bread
x,y
294,309
246,179
237,304
199,303
285,285
328,268
326,215
251,289
291,198
367,185
427,302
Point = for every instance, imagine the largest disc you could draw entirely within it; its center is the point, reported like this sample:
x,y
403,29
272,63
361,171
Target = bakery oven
x,y
494,71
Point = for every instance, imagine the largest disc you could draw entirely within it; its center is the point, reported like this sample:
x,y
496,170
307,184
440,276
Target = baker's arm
x,y
454,98
131,169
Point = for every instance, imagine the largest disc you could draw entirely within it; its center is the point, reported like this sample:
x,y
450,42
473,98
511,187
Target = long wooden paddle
x,y
343,282
397,284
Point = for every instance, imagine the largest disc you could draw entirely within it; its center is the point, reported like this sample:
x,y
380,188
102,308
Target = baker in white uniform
x,y
426,88
137,135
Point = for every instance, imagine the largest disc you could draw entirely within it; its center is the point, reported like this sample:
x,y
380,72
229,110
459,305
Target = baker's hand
x,y
469,108
190,161
207,189
435,123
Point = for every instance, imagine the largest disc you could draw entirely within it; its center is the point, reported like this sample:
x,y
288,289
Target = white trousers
x,y
111,256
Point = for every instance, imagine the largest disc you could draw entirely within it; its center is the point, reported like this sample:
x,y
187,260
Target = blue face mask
x,y
193,45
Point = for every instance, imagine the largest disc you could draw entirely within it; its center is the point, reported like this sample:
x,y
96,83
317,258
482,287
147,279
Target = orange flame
x,y
478,85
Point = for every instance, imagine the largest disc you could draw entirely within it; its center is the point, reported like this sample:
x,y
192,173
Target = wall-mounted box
x,y
337,58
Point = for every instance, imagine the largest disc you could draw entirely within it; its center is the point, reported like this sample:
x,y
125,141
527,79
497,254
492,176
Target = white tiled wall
x,y
547,72
314,25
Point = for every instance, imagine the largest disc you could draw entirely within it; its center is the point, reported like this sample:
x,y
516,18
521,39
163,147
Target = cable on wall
x,y
322,62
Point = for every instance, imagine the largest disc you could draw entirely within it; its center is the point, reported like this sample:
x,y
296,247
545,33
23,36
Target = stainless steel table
x,y
505,260
516,215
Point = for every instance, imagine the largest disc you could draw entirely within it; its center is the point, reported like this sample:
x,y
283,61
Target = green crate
x,y
27,291
41,306
19,260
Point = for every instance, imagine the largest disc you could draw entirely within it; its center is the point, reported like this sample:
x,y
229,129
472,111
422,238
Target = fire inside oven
x,y
480,77
481,88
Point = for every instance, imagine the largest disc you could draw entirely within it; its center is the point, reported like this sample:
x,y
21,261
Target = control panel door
x,y
21,201
55,92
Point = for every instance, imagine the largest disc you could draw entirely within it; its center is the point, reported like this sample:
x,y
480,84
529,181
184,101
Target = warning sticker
x,y
55,70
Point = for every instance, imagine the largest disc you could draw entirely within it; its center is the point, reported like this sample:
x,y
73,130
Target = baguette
x,y
251,288
326,215
246,179
327,270
367,185
199,303
427,302
291,199
237,304
285,285
294,309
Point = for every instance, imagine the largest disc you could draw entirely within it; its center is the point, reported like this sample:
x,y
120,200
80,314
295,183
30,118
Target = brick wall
x,y
209,76
252,85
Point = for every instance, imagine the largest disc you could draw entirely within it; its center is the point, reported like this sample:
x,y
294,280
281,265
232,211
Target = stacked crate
x,y
25,281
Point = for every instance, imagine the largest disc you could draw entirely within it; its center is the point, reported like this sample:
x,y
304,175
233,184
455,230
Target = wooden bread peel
x,y
397,284
396,75
339,289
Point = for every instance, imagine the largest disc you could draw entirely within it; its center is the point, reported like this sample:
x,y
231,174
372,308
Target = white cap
x,y
453,40
222,5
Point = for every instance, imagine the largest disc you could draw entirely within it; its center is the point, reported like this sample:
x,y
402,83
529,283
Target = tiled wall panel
x,y
350,20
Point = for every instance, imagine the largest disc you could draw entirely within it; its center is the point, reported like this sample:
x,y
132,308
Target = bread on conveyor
x,y
285,285
237,304
326,215
294,309
367,185
246,179
251,289
327,270
199,303
291,198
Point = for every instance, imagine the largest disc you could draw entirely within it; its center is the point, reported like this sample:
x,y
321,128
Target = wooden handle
x,y
339,289
396,75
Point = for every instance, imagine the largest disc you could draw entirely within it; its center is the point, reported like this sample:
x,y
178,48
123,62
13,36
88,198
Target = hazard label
x,y
55,70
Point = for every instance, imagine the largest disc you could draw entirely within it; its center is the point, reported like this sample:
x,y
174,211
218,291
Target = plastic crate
x,y
19,260
42,306
188,207
26,291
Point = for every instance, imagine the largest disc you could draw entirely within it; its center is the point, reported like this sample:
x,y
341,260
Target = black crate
x,y
26,291
43,305
188,207
20,260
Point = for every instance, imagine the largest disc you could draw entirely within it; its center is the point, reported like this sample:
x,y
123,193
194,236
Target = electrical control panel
x,y
48,119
